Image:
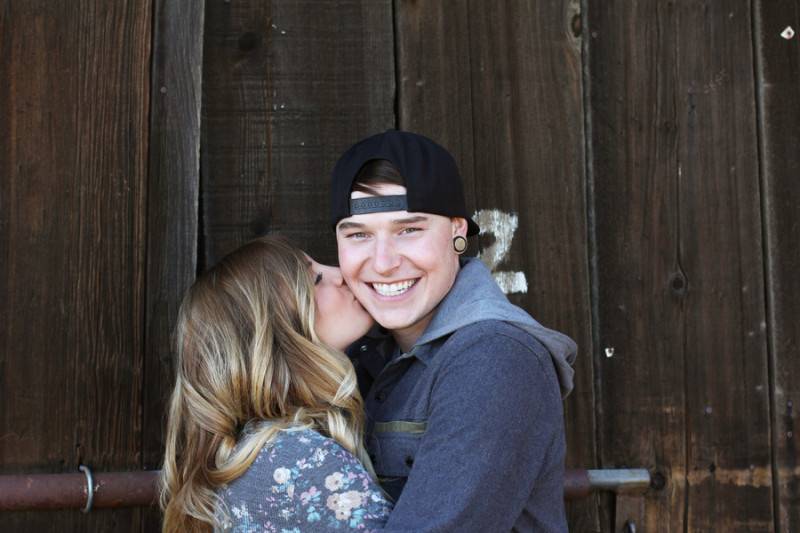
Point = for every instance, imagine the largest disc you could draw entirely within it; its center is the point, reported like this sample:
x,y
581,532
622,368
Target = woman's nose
x,y
334,274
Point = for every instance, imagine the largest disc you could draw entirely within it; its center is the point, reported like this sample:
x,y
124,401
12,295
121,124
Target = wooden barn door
x,y
633,165
694,134
98,181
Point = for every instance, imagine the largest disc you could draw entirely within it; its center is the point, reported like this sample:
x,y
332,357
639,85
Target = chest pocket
x,y
395,446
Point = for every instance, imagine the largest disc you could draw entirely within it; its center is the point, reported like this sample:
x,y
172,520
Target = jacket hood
x,y
475,297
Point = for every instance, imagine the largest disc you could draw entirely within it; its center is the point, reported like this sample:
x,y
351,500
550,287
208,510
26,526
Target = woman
x,y
265,422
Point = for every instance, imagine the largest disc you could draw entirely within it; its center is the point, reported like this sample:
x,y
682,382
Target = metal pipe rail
x,y
87,491
30,492
579,484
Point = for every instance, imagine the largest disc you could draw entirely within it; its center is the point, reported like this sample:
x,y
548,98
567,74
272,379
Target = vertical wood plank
x,y
728,380
435,78
778,79
679,260
172,212
287,86
499,84
74,105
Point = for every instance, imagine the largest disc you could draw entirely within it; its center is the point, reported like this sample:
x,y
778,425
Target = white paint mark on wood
x,y
502,226
511,282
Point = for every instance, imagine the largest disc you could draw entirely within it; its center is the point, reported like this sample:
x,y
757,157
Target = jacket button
x,y
409,461
363,348
381,396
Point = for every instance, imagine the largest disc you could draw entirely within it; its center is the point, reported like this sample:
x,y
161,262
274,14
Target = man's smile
x,y
393,289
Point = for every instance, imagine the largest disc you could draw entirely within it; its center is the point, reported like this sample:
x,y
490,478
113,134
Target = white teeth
x,y
393,289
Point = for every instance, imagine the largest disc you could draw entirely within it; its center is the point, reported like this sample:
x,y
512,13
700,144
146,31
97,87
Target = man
x,y
465,421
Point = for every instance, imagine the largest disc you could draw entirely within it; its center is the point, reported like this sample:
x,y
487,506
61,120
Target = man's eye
x,y
318,278
357,235
411,230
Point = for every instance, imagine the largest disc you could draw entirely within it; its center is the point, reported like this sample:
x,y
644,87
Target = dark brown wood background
x,y
649,149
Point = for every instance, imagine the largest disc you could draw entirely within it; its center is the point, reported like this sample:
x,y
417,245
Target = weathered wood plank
x,y
287,87
779,96
434,78
679,259
499,84
74,104
172,212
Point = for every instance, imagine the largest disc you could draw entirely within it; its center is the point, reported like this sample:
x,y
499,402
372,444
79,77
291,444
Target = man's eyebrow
x,y
409,220
397,222
349,225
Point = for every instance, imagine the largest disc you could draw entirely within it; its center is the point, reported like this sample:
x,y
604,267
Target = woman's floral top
x,y
302,482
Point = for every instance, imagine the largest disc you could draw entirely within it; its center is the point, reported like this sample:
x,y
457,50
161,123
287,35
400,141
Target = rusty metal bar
x,y
138,489
576,485
70,491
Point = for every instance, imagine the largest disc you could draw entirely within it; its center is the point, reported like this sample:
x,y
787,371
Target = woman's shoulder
x,y
300,440
306,449
298,451
307,458
303,478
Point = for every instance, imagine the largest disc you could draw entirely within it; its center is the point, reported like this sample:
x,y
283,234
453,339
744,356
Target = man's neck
x,y
406,337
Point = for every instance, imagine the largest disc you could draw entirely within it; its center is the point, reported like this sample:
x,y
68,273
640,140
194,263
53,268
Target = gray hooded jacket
x,y
472,300
466,430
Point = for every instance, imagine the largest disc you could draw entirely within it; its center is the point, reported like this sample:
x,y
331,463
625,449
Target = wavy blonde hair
x,y
247,352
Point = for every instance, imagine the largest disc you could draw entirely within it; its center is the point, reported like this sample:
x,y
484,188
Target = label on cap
x,y
378,204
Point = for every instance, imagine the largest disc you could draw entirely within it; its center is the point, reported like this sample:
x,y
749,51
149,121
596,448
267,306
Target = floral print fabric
x,y
303,482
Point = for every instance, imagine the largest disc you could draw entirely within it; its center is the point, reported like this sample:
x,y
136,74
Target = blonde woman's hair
x,y
247,352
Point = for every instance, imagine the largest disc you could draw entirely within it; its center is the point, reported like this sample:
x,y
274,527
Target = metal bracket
x,y
89,488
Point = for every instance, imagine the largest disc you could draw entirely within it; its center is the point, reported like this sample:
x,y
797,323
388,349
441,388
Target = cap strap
x,y
377,204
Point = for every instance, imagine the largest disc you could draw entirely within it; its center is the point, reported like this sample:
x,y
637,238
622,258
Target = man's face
x,y
399,265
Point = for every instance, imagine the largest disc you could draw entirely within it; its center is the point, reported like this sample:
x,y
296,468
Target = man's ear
x,y
459,226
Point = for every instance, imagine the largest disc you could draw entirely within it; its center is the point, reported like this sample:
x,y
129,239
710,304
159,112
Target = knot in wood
x,y
658,481
677,283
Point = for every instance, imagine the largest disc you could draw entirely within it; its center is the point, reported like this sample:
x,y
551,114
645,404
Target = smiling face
x,y
399,265
340,318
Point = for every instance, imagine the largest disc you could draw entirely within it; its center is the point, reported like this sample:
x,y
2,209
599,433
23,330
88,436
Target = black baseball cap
x,y
433,184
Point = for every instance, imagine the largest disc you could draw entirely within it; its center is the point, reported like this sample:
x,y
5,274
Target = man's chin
x,y
393,323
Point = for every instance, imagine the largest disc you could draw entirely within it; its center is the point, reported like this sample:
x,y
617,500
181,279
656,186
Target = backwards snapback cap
x,y
433,184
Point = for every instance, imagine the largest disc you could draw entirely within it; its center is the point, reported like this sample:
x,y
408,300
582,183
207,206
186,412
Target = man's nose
x,y
386,257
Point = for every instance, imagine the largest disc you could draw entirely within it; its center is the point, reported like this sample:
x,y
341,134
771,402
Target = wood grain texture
x,y
779,125
680,260
74,106
287,87
172,207
499,85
